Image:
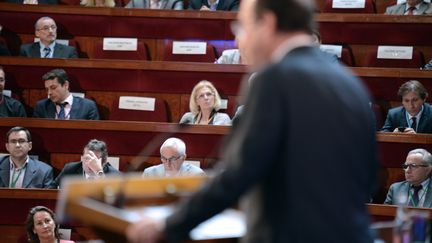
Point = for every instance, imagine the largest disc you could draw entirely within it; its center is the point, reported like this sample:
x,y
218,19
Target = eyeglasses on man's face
x,y
170,160
19,141
47,28
413,166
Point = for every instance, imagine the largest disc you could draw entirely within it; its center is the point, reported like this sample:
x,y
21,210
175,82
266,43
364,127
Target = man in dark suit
x,y
61,104
18,170
93,164
414,116
303,155
47,47
9,107
213,5
416,190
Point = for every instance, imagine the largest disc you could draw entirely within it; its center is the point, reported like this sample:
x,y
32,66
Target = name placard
x,y
120,44
224,104
189,48
78,94
349,4
193,162
395,52
60,41
332,49
7,92
114,161
137,103
404,1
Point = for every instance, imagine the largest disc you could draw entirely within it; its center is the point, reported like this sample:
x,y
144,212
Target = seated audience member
x,y
60,103
98,3
316,38
234,56
41,226
414,116
156,4
410,7
33,1
204,104
4,51
173,155
428,65
9,107
93,164
416,190
213,5
18,170
47,47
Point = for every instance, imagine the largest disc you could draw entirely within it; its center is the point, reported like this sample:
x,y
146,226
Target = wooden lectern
x,y
109,205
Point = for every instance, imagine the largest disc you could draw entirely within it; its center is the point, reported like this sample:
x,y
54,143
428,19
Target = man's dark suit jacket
x,y
225,5
11,107
60,50
37,175
303,155
84,109
75,168
396,117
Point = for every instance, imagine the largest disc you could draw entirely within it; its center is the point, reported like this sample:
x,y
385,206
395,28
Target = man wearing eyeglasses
x,y
416,190
47,47
18,170
173,155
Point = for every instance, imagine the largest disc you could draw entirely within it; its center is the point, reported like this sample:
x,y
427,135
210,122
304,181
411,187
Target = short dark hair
x,y
60,74
413,86
32,237
97,145
17,129
291,15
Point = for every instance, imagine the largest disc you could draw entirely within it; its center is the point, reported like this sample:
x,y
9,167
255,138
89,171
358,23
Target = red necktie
x,y
411,10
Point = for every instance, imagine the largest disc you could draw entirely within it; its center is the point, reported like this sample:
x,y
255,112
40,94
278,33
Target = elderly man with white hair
x,y
173,155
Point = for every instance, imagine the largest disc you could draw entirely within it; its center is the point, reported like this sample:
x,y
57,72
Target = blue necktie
x,y
61,114
47,52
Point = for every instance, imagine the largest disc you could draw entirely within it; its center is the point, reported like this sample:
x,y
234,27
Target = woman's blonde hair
x,y
193,105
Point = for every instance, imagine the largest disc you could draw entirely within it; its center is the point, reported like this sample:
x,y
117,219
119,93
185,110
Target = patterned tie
x,y
414,123
61,114
47,52
415,197
411,10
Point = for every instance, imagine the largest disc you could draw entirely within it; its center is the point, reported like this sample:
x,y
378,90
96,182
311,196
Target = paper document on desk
x,y
228,224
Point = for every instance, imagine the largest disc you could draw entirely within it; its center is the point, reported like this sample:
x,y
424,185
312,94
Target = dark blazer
x,y
39,1
75,168
306,174
401,189
225,5
396,118
84,109
60,50
37,175
11,107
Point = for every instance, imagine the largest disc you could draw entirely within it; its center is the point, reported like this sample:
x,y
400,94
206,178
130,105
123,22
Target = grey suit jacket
x,y
396,117
84,109
60,50
398,194
186,169
37,175
302,184
165,4
399,9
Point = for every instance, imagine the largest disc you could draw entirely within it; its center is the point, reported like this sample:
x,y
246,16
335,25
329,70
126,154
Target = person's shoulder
x,y
66,241
43,102
395,110
83,100
192,169
29,45
153,170
12,100
397,185
40,164
394,8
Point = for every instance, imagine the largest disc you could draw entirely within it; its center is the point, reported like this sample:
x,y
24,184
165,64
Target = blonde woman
x,y
97,3
204,104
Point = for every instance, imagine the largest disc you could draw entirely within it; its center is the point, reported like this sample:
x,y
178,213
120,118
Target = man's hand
x,y
147,230
407,130
205,8
92,162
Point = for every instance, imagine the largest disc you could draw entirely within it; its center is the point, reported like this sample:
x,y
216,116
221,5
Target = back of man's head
x,y
291,15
